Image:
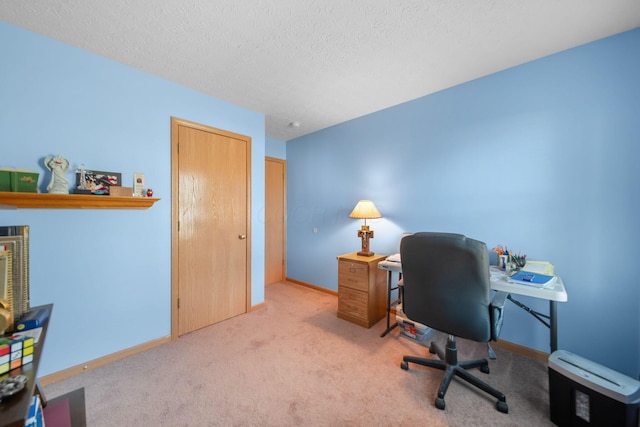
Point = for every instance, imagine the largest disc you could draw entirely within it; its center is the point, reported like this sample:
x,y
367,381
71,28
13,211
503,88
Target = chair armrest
x,y
499,299
497,313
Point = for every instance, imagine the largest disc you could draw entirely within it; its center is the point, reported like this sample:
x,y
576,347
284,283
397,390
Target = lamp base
x,y
366,253
365,234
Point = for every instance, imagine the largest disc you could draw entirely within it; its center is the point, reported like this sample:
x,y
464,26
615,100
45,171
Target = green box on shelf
x,y
5,179
24,181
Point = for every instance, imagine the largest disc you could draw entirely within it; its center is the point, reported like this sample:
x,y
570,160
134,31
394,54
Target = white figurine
x,y
58,165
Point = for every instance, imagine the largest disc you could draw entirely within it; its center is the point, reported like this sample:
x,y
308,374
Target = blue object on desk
x,y
528,278
33,319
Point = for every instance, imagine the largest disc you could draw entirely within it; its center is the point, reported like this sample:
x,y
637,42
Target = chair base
x,y
449,363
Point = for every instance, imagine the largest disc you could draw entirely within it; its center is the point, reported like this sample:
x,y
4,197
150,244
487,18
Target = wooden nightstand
x,y
362,289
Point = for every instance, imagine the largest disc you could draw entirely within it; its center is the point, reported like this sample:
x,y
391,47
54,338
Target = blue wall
x,y
108,272
542,158
275,148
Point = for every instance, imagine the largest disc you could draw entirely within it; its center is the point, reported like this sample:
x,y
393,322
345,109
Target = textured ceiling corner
x,y
322,62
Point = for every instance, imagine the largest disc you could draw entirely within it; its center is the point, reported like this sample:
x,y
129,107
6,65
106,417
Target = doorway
x,y
211,236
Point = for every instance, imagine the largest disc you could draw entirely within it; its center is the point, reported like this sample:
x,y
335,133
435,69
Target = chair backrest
x,y
447,284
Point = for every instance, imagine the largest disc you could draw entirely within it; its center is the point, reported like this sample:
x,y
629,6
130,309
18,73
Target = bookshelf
x,y
13,200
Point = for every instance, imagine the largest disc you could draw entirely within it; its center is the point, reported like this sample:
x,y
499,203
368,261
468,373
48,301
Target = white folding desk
x,y
554,294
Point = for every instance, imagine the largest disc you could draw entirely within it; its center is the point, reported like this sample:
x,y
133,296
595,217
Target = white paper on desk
x,y
540,267
29,333
497,274
394,258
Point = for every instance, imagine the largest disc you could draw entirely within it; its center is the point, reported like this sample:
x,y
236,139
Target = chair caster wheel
x,y
484,369
404,365
502,407
440,403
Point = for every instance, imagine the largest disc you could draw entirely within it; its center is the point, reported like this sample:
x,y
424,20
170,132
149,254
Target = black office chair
x,y
447,287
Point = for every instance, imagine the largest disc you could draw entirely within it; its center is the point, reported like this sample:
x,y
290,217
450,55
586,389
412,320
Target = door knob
x,y
242,236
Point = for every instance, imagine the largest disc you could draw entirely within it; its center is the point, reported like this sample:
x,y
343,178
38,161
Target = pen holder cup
x,y
519,262
502,261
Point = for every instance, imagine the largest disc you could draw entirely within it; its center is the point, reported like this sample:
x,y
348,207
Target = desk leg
x,y
389,326
552,323
553,329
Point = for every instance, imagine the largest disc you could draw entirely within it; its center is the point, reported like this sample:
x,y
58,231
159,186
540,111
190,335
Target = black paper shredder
x,y
583,393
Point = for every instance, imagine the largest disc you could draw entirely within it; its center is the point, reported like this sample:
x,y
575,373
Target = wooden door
x,y
275,220
211,215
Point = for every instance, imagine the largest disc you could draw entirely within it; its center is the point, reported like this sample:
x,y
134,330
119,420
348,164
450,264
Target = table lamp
x,y
365,209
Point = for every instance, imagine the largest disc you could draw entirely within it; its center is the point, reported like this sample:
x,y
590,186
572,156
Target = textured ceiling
x,y
321,62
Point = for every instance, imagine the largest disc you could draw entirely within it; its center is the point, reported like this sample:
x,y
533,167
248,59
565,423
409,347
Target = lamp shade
x,y
365,209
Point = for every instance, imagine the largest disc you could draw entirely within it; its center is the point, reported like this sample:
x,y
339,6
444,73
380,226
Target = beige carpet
x,y
295,363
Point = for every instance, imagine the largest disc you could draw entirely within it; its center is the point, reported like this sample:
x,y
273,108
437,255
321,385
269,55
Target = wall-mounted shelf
x,y
11,200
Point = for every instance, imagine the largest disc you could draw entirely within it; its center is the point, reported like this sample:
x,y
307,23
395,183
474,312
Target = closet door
x,y
213,225
275,220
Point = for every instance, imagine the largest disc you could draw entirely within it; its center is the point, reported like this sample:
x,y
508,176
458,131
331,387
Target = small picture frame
x,y
98,182
138,185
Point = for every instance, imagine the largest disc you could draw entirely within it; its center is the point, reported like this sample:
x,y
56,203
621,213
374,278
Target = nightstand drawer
x,y
361,289
354,275
352,303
